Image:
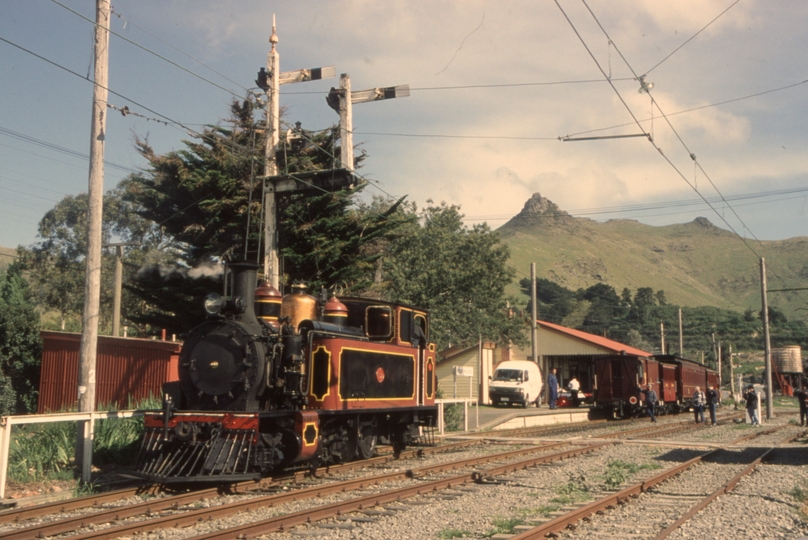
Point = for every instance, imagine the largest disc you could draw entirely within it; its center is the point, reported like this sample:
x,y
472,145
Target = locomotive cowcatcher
x,y
270,382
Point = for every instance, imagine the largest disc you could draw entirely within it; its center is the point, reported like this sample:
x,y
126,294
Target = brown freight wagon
x,y
128,370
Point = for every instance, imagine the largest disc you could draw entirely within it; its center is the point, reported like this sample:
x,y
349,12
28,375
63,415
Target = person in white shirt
x,y
574,387
699,400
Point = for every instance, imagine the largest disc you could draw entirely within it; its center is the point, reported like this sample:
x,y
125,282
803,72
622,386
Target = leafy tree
x,y
20,345
456,272
203,197
554,301
644,300
605,307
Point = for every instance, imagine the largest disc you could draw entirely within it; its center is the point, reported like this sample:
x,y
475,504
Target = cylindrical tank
x,y
268,303
299,306
787,359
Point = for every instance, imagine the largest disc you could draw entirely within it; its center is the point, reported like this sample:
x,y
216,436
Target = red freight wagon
x,y
128,370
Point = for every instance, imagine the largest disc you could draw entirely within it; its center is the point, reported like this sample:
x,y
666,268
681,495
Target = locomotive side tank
x,y
318,382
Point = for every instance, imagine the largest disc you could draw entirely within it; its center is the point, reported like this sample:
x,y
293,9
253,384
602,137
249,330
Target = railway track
x,y
178,519
412,490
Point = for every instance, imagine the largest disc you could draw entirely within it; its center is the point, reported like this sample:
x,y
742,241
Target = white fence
x,y
466,403
6,422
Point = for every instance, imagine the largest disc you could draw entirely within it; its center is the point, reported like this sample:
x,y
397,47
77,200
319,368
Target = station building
x,y
464,372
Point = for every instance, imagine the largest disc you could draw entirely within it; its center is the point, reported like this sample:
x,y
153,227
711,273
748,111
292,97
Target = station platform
x,y
494,418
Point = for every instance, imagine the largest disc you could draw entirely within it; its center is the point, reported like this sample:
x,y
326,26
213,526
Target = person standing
x,y
552,386
712,402
574,387
802,400
751,398
650,401
698,405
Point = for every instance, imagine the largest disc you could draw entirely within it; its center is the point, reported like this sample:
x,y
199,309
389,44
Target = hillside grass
x,y
696,263
7,256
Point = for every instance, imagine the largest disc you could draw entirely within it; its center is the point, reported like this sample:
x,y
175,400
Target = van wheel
x,y
495,404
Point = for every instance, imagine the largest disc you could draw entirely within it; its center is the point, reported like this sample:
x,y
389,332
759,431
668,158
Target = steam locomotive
x,y
270,382
618,379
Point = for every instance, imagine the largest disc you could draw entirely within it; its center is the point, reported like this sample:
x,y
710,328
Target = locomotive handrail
x,y
7,421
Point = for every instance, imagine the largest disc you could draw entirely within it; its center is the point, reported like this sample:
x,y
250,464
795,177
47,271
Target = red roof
x,y
605,343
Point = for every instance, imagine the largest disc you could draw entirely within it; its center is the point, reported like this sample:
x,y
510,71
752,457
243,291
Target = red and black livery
x,y
303,383
619,377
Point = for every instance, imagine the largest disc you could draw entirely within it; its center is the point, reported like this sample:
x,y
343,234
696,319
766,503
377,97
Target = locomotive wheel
x,y
367,445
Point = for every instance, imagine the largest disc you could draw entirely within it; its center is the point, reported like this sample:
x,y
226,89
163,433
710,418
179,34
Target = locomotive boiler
x,y
270,382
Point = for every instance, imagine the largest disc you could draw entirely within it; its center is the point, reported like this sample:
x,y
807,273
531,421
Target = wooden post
x,y
767,342
271,259
92,283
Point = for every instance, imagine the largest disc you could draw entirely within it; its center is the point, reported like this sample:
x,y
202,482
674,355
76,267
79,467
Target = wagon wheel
x,y
367,444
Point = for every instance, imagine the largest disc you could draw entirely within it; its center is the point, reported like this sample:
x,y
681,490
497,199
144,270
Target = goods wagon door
x,y
669,390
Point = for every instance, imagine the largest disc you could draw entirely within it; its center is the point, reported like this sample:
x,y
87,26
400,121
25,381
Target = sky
x,y
495,88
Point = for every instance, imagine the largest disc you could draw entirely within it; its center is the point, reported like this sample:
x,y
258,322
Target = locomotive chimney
x,y
245,275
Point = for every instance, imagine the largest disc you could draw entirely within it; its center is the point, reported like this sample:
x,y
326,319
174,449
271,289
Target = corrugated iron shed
x,y
128,370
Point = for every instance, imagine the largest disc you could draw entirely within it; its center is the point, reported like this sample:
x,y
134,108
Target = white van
x,y
515,381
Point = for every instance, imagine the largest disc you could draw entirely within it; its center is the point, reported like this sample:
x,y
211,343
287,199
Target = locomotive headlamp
x,y
213,303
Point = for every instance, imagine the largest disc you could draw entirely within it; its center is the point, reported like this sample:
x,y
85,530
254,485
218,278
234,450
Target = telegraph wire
x,y
55,147
665,157
477,86
692,37
150,51
129,21
637,122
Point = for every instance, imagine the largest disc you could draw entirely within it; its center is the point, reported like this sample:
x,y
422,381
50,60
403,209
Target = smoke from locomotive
x,y
305,382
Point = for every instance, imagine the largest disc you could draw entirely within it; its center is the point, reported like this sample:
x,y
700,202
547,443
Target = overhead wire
x,y
691,38
138,45
665,157
636,121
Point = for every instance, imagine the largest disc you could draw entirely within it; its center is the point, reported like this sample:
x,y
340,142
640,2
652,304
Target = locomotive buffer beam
x,y
326,180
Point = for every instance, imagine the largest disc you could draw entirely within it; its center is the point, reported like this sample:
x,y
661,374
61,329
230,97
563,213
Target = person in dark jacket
x,y
552,387
712,402
650,401
751,398
802,400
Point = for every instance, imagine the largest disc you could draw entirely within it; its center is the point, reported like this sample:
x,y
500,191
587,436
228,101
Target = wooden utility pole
x,y
92,282
767,343
732,374
534,331
719,368
662,336
681,337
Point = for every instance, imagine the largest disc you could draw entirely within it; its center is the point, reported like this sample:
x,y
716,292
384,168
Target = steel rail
x,y
730,485
18,515
726,488
612,500
281,523
188,518
177,501
570,518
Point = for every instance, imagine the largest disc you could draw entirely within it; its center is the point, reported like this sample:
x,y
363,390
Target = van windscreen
x,y
508,375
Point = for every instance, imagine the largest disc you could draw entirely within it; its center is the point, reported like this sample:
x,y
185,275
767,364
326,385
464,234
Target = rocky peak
x,y
541,210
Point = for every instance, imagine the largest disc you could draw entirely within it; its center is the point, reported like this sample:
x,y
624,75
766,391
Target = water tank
x,y
787,359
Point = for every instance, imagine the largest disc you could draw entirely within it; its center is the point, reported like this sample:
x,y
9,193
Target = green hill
x,y
696,263
7,256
